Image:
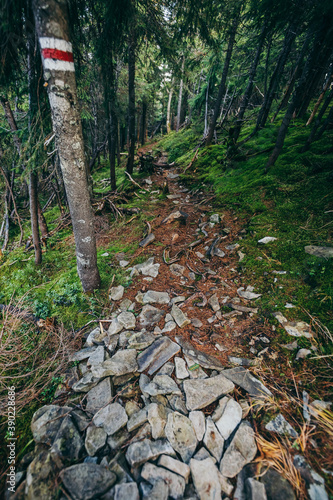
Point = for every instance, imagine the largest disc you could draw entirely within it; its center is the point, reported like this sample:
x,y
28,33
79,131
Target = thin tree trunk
x,y
51,18
206,112
180,95
248,91
222,86
327,122
321,97
14,203
42,222
168,120
11,122
269,46
317,123
131,100
143,122
33,189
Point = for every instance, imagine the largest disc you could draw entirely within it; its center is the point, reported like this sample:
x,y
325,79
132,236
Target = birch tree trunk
x,y
180,95
131,100
53,31
168,120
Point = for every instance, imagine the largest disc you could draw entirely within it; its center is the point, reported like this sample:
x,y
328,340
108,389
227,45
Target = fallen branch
x,y
134,182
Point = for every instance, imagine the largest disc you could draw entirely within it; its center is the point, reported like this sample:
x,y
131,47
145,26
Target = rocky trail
x,y
163,397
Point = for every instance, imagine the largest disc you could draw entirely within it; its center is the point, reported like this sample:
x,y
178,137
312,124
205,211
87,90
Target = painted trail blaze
x,y
57,54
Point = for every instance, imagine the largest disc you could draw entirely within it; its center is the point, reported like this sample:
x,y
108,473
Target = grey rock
x,y
202,454
131,407
160,491
119,466
127,491
199,423
141,340
137,420
201,393
291,347
141,451
323,252
280,425
86,481
181,370
111,342
213,440
118,439
242,377
180,433
157,418
46,422
206,479
95,337
95,439
315,484
241,361
196,322
157,354
176,300
162,384
152,297
115,327
123,263
148,268
230,418
80,419
99,396
175,482
150,315
124,337
87,382
40,480
195,369
267,239
121,363
127,320
117,292
112,418
214,303
303,353
175,466
180,318
126,304
83,354
143,433
146,241
177,403
277,486
255,490
294,328
247,294
67,444
177,270
241,451
204,360
167,369
218,412
169,327
215,218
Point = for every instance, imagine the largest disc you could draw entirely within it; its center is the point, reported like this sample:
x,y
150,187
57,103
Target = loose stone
x,y
112,418
199,423
241,451
150,315
152,297
280,425
157,354
117,292
231,417
141,451
121,363
162,384
175,482
157,418
247,381
86,481
180,318
137,420
127,491
214,303
95,439
205,478
127,320
181,435
201,393
175,466
213,440
99,396
255,490
46,422
181,371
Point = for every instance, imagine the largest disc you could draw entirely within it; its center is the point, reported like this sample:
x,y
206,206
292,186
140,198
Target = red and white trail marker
x,y
57,54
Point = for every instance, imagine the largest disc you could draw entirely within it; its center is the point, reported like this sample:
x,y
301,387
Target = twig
x,y
134,182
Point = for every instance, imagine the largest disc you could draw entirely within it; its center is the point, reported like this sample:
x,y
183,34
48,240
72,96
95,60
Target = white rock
x,y
117,292
180,433
199,423
181,370
231,417
213,440
176,483
111,418
267,239
152,297
175,466
206,479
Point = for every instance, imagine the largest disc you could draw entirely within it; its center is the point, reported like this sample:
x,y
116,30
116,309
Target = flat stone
x,y
280,425
143,433
111,342
99,396
124,337
123,263
127,320
199,423
148,268
112,418
202,454
176,483
177,270
169,326
242,377
266,239
194,369
242,361
118,439
162,384
117,292
180,433
97,357
177,403
127,491
175,466
277,486
246,294
294,328
131,407
315,484
241,451
206,479
46,422
67,444
160,491
150,315
180,318
152,297
167,369
213,440
255,490
95,337
181,370
146,241
157,417
323,252
83,354
196,322
157,354
201,393
141,451
303,353
141,340
87,382
204,360
39,484
95,439
214,303
115,327
178,299
121,363
126,304
215,218
137,420
230,418
86,481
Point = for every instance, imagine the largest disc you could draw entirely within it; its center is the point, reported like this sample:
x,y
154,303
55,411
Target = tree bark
x,y
53,31
143,127
33,190
11,122
180,96
320,98
42,223
222,86
317,123
131,100
168,120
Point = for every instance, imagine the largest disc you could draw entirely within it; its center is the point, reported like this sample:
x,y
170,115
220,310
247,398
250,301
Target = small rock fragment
x,y
241,451
266,240
181,371
280,425
117,292
180,318
112,418
206,479
201,393
181,435
175,466
199,423
213,440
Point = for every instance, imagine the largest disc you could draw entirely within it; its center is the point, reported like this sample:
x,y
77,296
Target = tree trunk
x,y
168,120
143,123
317,123
180,96
222,86
131,100
11,122
248,91
206,112
53,31
320,98
42,223
33,190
